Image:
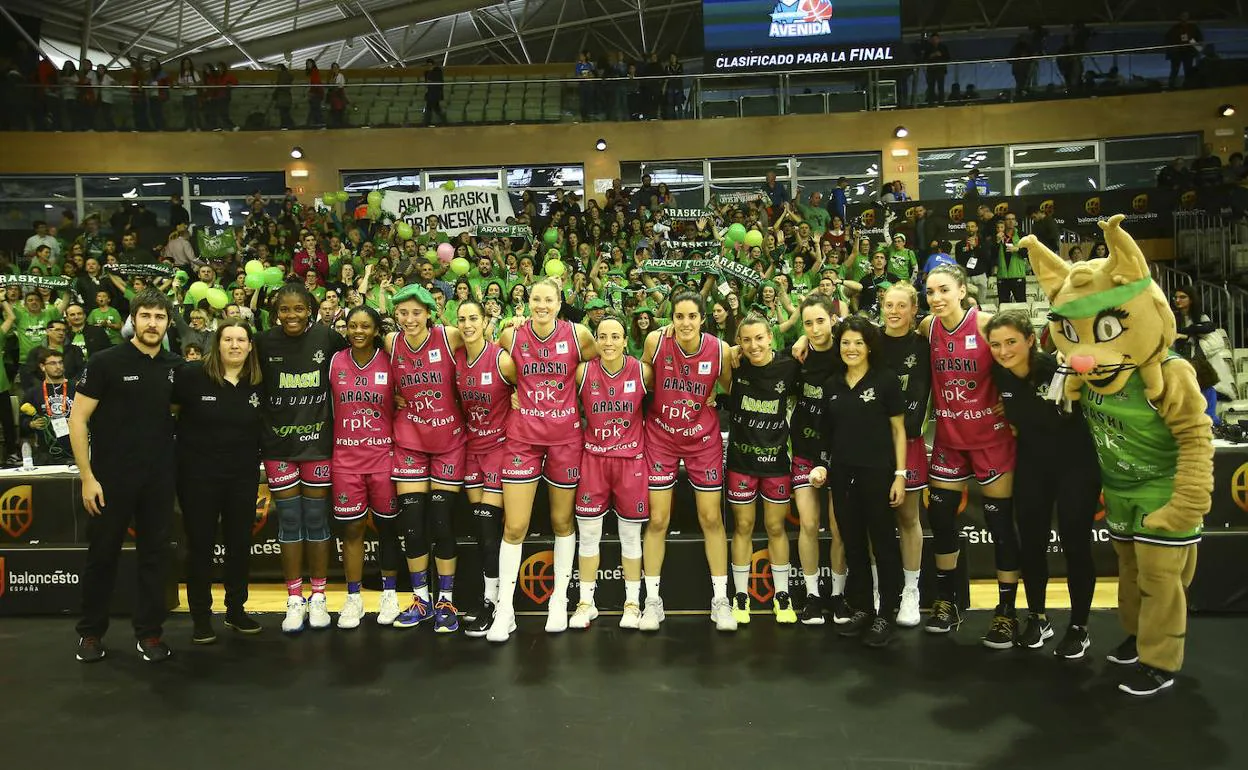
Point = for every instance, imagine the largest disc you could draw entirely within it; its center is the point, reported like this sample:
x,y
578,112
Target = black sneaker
x,y
153,650
241,622
840,610
1003,630
1144,680
90,649
1074,644
812,613
202,632
1124,654
945,617
477,623
879,634
856,625
1037,631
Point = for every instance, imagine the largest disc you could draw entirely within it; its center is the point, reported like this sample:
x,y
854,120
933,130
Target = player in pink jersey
x,y
973,438
360,385
485,375
682,425
543,440
613,466
430,439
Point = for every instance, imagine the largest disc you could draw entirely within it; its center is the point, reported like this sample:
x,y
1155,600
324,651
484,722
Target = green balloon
x,y
254,281
753,238
551,236
404,229
254,266
556,268
273,276
343,196
460,266
197,291
736,231
374,198
217,298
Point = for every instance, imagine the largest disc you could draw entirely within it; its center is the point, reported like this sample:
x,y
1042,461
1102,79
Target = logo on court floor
x,y
761,587
537,576
1239,487
16,511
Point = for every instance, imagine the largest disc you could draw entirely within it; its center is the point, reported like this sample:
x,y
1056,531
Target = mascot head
x,y
1108,318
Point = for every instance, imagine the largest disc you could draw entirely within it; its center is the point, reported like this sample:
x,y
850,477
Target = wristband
x,y
899,474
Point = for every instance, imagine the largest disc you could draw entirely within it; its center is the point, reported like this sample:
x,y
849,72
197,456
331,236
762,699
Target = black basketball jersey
x,y
806,425
910,357
297,414
758,433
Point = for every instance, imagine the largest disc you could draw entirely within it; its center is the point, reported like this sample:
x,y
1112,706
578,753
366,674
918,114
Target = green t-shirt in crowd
x,y
102,316
817,218
902,262
32,328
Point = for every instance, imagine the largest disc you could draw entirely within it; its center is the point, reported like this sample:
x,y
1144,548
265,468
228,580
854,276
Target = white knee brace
x,y
630,539
589,534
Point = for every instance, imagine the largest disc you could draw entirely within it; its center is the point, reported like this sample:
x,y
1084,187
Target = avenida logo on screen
x,y
801,18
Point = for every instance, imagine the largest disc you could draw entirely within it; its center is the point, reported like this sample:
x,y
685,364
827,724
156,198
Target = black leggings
x,y
1039,484
205,503
865,520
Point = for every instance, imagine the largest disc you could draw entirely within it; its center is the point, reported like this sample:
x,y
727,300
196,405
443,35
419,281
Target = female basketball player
x,y
682,425
758,461
484,374
613,466
296,445
429,449
543,440
971,440
359,379
1056,464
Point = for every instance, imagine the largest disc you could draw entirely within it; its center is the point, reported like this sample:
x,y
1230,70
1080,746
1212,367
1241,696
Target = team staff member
x,y
866,452
218,406
121,429
1056,464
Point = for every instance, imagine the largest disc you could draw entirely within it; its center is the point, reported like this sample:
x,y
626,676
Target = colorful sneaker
x,y
388,609
585,614
1035,633
419,611
352,612
879,634
1124,654
1144,680
723,615
318,611
557,616
741,609
782,606
630,619
945,617
812,613
1074,644
90,649
1002,631
296,615
504,625
653,615
445,617
153,650
477,624
908,610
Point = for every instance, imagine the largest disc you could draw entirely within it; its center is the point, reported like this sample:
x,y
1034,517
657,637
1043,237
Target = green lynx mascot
x,y
1114,330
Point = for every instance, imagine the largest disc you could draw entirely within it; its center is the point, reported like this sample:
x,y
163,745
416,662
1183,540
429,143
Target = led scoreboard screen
x,y
755,35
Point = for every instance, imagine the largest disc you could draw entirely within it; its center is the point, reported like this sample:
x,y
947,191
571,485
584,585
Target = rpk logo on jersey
x,y
801,18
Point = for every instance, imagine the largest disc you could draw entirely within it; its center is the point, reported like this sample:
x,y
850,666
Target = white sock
x,y
838,582
740,578
565,551
652,586
422,592
780,578
491,589
719,587
509,556
875,577
587,591
912,578
632,590
812,584
447,595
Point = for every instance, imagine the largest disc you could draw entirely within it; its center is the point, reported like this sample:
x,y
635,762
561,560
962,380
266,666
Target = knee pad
x,y
999,516
441,529
489,520
289,519
942,514
412,521
589,535
316,519
630,539
389,552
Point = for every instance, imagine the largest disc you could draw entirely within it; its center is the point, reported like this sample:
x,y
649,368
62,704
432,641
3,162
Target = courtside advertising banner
x,y
756,35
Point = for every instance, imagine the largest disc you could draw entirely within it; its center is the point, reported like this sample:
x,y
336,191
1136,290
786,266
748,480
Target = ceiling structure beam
x,y
139,36
563,6
273,18
221,29
519,37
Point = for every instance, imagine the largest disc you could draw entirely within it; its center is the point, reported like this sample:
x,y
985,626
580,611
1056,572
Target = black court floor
x,y
685,698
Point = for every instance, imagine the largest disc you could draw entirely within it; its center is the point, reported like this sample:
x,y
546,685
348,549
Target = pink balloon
x,y
446,252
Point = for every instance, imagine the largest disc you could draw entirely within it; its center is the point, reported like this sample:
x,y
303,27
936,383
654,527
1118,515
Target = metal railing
x,y
1223,303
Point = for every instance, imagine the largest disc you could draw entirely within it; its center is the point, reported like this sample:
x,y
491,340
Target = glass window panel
x,y
21,215
686,174
155,186
545,176
219,211
834,166
1149,147
953,185
1055,180
1142,173
1080,152
107,208
749,168
366,181
959,159
36,187
465,177
238,184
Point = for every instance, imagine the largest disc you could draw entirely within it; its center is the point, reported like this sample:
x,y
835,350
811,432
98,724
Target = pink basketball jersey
x,y
363,412
679,417
963,392
431,422
485,396
546,386
613,421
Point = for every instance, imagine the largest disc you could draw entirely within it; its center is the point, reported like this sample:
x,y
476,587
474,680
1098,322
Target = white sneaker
x,y
585,614
296,612
908,612
557,616
389,609
721,615
653,614
318,611
631,619
352,612
504,625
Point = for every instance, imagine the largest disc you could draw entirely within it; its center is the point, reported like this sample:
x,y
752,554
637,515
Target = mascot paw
x,y
1168,519
1113,223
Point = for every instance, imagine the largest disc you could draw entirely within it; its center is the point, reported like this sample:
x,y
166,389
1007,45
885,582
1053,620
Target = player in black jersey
x,y
818,319
758,460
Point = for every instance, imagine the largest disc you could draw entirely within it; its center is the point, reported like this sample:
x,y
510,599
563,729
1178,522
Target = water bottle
x,y
28,458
